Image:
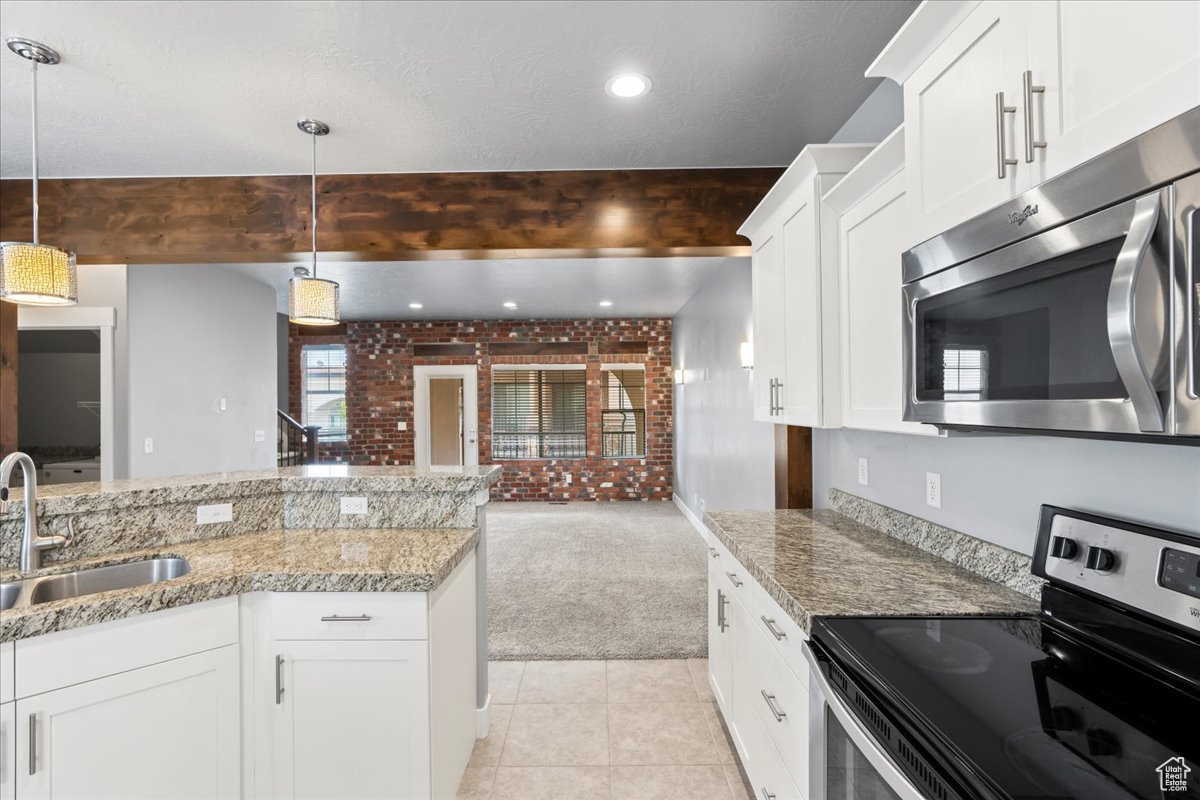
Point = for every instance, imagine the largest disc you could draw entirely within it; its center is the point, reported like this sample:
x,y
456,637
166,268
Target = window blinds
x,y
539,413
323,370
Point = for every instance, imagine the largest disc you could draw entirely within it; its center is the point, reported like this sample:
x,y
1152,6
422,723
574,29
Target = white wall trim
x,y
697,523
102,320
420,422
483,718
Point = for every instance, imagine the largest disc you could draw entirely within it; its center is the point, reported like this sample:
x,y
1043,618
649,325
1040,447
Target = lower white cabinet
x,y
8,751
351,719
167,731
760,679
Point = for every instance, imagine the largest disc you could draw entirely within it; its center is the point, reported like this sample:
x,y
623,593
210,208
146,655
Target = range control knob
x,y
1101,559
1062,547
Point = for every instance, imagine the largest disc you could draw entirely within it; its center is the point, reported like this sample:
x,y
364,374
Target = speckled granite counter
x,y
338,560
821,563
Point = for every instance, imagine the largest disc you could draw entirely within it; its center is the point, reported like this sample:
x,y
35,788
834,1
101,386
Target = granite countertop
x,y
70,498
328,560
821,563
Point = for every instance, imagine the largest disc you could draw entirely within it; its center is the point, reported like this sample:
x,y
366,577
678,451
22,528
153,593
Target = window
x,y
624,412
964,372
539,413
323,381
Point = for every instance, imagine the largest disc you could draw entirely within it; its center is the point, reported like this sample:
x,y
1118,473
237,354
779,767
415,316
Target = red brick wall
x,y
379,376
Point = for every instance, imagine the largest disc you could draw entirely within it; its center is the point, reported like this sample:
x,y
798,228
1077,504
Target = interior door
x,y
1111,71
446,415
352,720
956,131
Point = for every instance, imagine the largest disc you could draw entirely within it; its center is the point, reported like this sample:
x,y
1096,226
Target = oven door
x,y
845,760
1068,330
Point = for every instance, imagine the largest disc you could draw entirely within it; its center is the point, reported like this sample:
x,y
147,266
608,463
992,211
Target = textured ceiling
x,y
542,288
214,88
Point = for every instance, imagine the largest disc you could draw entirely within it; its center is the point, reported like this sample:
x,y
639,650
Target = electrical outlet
x,y
933,489
217,512
700,503
221,403
401,425
354,505
148,445
260,436
862,471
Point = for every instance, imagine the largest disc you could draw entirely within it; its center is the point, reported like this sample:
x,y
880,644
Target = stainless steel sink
x,y
8,595
33,591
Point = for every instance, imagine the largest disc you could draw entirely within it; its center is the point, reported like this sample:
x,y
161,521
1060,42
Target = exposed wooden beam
x,y
394,216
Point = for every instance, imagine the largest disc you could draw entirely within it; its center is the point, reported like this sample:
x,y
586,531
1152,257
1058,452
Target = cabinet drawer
x,y
350,615
784,634
781,704
768,776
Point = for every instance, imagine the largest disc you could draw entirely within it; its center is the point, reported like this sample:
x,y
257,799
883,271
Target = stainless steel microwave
x,y
1074,308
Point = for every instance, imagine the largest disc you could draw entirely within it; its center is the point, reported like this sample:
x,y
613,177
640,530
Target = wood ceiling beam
x,y
414,216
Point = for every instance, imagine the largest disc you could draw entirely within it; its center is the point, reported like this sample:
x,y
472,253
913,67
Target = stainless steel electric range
x,y
1096,697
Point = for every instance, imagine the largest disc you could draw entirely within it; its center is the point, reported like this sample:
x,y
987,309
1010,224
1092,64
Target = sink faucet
x,y
32,543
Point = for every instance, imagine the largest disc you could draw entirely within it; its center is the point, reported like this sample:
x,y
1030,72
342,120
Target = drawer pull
x,y
722,623
714,552
775,712
339,618
33,744
770,623
766,795
734,579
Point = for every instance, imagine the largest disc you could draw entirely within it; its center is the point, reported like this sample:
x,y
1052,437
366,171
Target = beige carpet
x,y
594,581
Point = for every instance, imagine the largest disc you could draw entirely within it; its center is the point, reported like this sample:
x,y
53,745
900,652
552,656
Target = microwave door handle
x,y
1121,334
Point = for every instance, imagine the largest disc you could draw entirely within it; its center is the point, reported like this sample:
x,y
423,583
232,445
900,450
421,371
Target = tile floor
x,y
603,730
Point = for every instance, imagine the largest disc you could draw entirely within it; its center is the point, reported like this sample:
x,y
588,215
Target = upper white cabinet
x,y
795,329
871,221
1000,96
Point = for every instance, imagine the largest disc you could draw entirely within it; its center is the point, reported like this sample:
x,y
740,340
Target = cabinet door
x,y
800,394
1111,71
770,330
950,119
352,720
870,241
163,732
8,751
720,638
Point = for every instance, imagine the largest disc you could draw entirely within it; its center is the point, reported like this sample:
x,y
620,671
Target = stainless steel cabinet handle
x,y
1030,90
337,618
770,623
1122,336
713,550
1003,162
772,411
766,795
775,712
721,626
733,578
278,680
778,396
32,744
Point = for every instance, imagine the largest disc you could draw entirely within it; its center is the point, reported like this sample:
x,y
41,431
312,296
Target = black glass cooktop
x,y
1024,708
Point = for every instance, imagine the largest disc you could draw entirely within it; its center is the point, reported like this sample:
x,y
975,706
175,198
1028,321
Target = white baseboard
x,y
697,523
483,719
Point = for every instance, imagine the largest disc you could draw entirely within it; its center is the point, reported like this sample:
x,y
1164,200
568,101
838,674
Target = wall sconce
x,y
747,353
679,377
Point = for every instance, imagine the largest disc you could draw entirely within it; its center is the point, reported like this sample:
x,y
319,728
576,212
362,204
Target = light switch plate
x,y
148,445
354,505
402,426
260,436
217,512
862,471
933,489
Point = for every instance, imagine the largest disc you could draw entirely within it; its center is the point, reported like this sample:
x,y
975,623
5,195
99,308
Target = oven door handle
x,y
892,775
1122,336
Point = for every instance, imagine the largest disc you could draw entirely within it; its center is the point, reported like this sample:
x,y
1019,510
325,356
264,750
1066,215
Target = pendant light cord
x,y
35,152
314,204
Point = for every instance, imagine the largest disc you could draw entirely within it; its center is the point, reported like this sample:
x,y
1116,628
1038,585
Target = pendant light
x,y
32,273
313,300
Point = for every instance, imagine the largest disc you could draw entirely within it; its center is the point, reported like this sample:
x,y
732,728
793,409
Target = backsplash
x,y
992,561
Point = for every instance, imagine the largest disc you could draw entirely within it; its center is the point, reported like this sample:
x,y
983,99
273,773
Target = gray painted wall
x,y
197,334
880,114
721,454
992,486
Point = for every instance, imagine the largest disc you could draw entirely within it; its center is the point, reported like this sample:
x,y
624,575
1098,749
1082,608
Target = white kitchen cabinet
x,y
871,224
1111,71
720,637
954,118
161,732
352,719
1077,78
795,330
8,751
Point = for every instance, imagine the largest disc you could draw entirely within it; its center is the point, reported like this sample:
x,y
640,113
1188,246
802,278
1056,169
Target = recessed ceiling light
x,y
605,303
627,84
510,304
415,305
